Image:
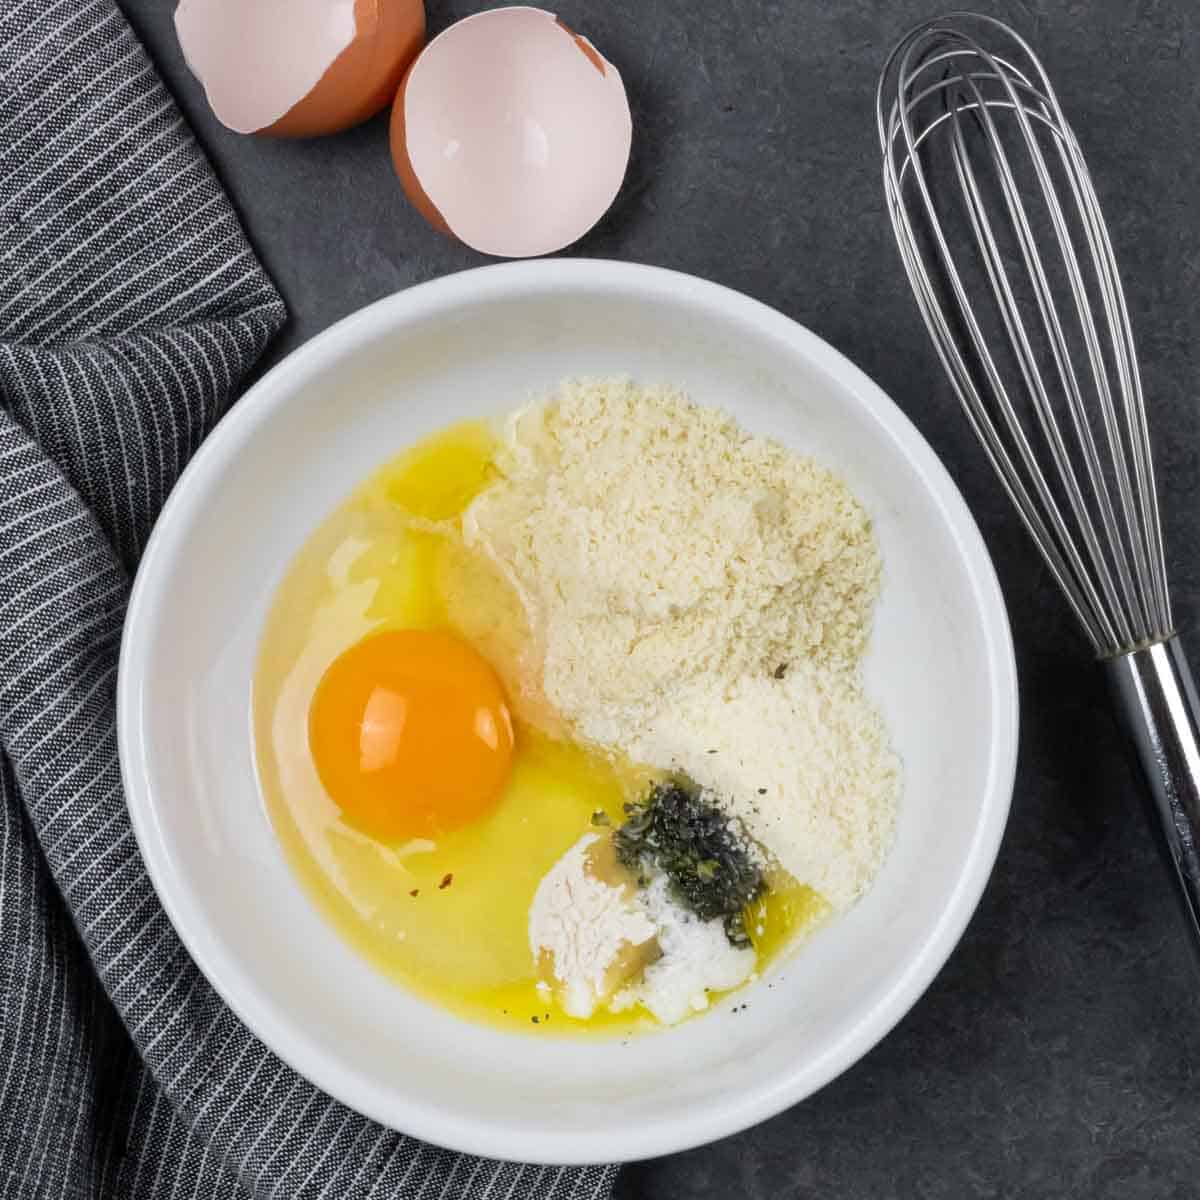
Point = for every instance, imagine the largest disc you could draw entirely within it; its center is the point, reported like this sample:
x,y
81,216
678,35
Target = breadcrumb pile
x,y
701,599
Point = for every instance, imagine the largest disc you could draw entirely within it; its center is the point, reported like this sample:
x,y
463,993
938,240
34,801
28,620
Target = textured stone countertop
x,y
1055,1056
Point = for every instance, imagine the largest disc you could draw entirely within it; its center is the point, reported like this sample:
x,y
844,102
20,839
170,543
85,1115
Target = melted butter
x,y
449,920
787,910
439,477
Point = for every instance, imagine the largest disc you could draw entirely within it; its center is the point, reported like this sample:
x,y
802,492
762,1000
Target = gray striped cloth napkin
x,y
130,308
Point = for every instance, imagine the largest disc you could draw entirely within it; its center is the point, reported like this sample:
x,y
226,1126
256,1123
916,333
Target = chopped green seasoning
x,y
700,850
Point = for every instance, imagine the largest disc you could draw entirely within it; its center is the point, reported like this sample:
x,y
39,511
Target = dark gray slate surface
x,y
1055,1056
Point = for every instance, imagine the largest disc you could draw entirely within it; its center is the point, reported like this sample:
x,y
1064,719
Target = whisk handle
x,y
1158,699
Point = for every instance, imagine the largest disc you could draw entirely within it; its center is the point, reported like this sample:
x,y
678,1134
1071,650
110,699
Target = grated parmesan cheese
x,y
803,762
701,599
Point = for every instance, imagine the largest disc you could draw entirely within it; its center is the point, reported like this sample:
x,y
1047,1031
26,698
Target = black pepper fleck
x,y
415,892
781,670
447,880
536,1020
761,792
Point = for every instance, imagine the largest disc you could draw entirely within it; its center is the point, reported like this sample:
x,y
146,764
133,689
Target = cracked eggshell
x,y
299,68
512,133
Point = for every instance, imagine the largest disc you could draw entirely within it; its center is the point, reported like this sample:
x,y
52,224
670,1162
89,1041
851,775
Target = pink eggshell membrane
x,y
257,58
517,131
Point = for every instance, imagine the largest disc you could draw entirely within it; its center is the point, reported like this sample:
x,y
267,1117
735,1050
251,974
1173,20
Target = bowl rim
x,y
470,1135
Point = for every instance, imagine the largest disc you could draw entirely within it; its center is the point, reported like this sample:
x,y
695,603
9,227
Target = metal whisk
x,y
1006,249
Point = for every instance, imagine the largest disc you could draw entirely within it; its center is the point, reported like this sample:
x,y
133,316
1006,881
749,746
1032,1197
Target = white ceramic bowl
x,y
480,343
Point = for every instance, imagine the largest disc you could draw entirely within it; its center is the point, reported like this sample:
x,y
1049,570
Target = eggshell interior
x,y
513,132
299,68
404,168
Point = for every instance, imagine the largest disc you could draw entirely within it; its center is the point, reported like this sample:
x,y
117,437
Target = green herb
x,y
698,849
600,817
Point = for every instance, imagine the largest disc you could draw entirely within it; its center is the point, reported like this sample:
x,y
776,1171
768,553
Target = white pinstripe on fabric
x,y
77,1127
29,616
175,297
85,701
34,518
62,48
57,361
82,387
123,470
80,13
136,189
77,250
257,1169
164,1028
61,132
174,467
302,1115
27,994
320,1162
39,535
413,1163
54,1000
230,1103
109,973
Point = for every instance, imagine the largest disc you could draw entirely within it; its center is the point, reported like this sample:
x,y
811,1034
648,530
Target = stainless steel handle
x,y
1157,696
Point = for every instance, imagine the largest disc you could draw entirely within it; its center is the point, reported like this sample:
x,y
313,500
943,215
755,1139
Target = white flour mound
x,y
584,924
697,958
590,938
701,599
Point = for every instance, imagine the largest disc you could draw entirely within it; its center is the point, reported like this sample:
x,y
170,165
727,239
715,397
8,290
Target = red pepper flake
x,y
447,880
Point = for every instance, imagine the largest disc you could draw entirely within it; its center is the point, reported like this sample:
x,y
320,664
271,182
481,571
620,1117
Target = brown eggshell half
x,y
364,77
512,133
404,168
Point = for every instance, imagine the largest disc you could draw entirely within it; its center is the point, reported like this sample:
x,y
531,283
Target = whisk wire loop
x,y
1055,337
1002,237
1030,321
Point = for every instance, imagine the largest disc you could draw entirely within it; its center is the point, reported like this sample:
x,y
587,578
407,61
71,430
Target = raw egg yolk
x,y
411,734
